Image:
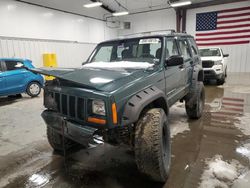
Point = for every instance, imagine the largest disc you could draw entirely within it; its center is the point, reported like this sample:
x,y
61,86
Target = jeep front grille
x,y
207,64
68,105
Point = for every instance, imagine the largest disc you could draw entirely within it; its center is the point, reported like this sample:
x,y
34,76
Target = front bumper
x,y
212,74
76,132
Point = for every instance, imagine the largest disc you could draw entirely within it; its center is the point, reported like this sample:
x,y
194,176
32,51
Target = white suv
x,y
214,64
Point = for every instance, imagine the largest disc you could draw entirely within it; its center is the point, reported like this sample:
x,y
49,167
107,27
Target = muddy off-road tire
x,y
56,141
195,102
152,145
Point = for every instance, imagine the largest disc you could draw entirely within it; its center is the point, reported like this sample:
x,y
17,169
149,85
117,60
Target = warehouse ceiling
x,y
133,6
142,5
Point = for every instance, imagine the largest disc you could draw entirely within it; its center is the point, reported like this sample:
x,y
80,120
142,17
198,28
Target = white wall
x,y
68,54
239,59
150,21
44,27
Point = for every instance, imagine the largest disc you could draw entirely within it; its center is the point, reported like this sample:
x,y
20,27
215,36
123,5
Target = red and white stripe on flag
x,y
232,28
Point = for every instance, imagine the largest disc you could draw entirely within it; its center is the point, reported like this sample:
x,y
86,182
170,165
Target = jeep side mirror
x,y
225,55
174,60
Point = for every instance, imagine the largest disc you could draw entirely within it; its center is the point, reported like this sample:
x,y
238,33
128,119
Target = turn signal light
x,y
97,120
114,114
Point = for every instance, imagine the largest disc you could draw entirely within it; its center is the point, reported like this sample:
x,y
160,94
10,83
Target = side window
x,y
171,48
104,54
11,65
193,45
184,49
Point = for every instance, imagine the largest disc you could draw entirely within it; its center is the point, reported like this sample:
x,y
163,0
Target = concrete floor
x,y
211,152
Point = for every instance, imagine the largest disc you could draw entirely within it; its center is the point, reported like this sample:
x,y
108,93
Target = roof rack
x,y
159,32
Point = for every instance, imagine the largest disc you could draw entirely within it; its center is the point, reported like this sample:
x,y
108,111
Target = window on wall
x,y
184,49
11,65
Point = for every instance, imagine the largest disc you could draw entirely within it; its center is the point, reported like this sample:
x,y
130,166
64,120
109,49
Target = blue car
x,y
15,80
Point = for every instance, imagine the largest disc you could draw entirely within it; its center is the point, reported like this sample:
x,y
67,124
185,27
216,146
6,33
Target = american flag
x,y
223,27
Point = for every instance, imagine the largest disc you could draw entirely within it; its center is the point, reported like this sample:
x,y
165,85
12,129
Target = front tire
x,y
152,145
195,101
33,89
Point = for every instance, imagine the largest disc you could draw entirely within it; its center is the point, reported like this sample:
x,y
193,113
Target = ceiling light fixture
x,y
180,3
91,5
120,13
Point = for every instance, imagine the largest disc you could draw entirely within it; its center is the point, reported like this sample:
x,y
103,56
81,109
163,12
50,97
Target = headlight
x,y
98,107
217,62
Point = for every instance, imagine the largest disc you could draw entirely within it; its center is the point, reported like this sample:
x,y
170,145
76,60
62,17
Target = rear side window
x,y
184,49
10,65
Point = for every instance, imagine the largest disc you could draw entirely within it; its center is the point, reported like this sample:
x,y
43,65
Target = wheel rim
x,y
34,89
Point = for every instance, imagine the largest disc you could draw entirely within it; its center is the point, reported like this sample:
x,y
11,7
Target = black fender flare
x,y
197,76
139,101
198,73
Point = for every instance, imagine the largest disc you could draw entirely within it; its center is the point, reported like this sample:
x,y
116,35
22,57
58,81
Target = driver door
x,y
173,74
188,61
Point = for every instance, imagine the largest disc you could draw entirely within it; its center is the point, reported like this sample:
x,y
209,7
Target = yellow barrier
x,y
49,60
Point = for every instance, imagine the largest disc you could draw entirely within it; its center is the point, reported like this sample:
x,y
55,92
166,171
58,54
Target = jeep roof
x,y
173,34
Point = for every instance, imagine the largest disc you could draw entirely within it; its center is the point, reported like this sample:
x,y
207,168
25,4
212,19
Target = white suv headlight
x,y
98,107
218,62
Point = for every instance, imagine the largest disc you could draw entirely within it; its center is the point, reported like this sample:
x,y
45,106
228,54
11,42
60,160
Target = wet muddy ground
x,y
211,152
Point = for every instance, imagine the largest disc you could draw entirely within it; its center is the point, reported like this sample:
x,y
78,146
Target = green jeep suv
x,y
123,93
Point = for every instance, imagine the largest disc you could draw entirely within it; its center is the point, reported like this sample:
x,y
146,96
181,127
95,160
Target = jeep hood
x,y
103,76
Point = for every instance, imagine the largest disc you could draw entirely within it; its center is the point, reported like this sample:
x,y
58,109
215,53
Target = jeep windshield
x,y
139,50
209,52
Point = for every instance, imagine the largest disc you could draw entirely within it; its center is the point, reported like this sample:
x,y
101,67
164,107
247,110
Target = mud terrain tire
x,y
152,145
195,102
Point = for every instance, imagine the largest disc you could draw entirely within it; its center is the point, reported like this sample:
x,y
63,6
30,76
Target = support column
x,y
178,20
184,19
181,20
